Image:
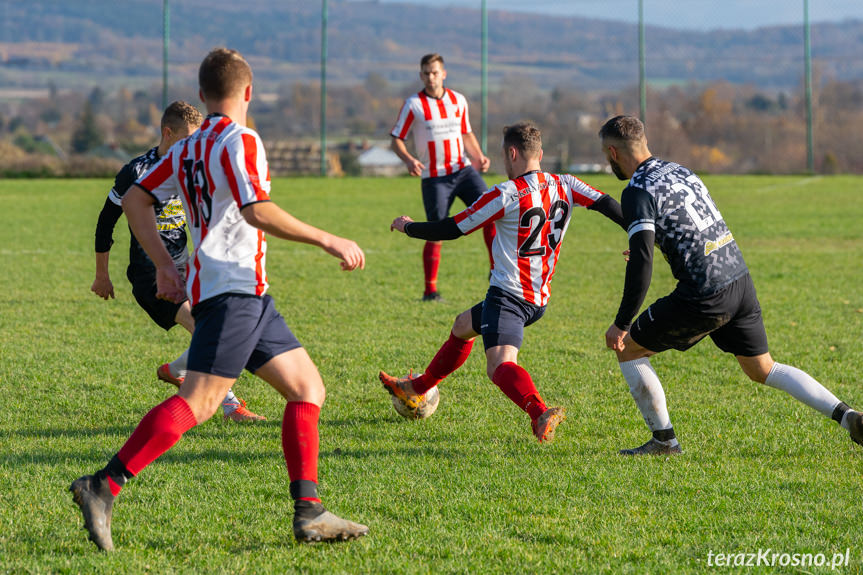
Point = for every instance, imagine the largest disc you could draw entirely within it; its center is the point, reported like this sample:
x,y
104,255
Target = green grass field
x,y
468,490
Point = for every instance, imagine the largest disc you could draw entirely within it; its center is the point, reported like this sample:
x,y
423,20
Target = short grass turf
x,y
468,490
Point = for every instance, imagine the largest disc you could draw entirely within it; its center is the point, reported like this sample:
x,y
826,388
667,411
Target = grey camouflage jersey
x,y
674,203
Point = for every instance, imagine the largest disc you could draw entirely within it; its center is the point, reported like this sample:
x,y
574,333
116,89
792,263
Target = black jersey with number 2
x,y
666,204
170,218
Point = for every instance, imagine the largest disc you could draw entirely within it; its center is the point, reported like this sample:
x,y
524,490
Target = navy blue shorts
x,y
161,311
440,193
236,331
502,317
732,319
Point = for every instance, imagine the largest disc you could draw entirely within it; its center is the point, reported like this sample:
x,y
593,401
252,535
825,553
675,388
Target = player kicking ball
x,y
667,205
531,213
221,173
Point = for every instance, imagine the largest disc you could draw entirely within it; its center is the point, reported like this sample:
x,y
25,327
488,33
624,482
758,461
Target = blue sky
x,y
687,14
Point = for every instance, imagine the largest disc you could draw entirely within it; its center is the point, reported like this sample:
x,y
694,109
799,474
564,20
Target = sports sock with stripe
x,y
515,382
646,390
431,263
802,387
157,432
178,366
451,356
300,443
230,403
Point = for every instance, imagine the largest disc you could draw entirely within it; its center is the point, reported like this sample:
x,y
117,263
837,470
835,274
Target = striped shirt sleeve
x,y
404,121
488,208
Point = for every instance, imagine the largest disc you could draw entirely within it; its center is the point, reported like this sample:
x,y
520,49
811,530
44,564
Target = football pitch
x,y
468,490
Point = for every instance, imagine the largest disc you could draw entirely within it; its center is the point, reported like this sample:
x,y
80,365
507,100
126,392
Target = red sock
x,y
431,263
515,382
449,358
488,234
158,431
300,443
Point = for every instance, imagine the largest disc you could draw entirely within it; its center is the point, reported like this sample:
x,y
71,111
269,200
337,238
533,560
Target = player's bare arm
x,y
474,152
102,285
415,167
138,206
275,221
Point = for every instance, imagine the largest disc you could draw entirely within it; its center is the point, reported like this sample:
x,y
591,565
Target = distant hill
x,y
80,43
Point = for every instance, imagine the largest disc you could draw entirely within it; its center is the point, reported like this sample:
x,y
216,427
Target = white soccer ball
x,y
425,408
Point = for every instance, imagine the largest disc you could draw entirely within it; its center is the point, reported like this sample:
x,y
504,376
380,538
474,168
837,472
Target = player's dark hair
x,y
524,136
431,59
180,114
622,128
223,73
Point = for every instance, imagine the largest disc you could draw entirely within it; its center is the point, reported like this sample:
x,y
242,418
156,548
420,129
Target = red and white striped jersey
x,y
531,215
216,171
438,125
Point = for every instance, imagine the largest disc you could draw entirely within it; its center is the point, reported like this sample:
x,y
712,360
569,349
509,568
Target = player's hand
x,y
103,287
169,285
484,164
399,223
415,167
625,254
348,251
614,338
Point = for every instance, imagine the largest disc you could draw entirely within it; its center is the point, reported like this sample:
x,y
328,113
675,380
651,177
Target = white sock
x,y
230,403
802,387
178,366
647,392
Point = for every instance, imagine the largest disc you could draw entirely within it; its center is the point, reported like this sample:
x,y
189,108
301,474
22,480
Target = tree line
x,y
715,127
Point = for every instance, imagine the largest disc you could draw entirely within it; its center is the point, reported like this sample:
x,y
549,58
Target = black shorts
x,y
440,193
502,317
236,331
162,311
732,319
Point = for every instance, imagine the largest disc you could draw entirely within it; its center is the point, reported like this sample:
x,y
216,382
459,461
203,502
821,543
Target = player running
x,y
445,146
667,205
531,212
221,174
178,121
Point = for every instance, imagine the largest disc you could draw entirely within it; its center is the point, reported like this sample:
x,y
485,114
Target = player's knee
x,y
204,409
756,368
463,326
310,391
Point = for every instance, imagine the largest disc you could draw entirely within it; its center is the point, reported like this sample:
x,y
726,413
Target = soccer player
x,y
531,212
668,205
221,174
445,146
178,121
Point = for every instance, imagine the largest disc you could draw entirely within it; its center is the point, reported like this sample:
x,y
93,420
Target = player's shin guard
x,y
488,234
300,443
646,390
449,358
158,431
431,263
516,383
802,387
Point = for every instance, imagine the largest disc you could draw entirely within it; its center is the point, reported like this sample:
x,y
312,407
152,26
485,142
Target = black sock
x,y
839,412
116,471
664,435
307,509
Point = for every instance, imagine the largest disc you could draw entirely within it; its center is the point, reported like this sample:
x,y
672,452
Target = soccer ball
x,y
425,409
